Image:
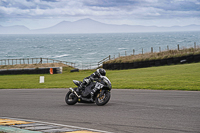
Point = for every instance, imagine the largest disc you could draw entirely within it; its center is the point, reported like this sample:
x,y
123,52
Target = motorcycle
x,y
101,88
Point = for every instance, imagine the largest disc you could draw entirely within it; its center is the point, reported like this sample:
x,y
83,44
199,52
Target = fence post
x,y
109,57
142,50
40,60
178,47
133,51
167,47
194,45
151,49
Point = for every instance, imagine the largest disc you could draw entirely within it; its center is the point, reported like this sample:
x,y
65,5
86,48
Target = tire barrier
x,y
150,63
55,70
75,70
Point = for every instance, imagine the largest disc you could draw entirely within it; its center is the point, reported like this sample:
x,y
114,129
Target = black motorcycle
x,y
101,88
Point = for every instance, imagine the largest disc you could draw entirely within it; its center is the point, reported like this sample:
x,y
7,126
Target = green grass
x,y
174,77
156,55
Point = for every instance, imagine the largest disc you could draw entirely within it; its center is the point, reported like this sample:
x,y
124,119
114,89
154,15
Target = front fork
x,y
100,94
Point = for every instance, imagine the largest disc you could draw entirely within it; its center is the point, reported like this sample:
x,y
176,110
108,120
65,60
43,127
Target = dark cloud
x,y
44,0
50,0
17,4
173,5
116,9
148,8
111,3
175,9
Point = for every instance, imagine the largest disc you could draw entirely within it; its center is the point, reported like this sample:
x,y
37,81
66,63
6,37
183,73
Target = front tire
x,y
71,98
102,100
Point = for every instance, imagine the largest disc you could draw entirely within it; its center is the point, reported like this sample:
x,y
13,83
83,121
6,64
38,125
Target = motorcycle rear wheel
x,y
71,98
102,100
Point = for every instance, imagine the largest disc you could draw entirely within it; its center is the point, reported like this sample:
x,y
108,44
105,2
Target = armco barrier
x,y
150,63
56,70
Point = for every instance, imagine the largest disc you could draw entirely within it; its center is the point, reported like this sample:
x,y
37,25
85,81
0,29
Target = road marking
x,y
7,122
9,129
45,127
82,132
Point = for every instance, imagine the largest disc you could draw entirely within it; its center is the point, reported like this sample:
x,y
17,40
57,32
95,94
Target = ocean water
x,y
87,49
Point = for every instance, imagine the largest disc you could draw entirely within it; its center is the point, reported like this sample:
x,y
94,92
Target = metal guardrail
x,y
33,61
102,61
47,60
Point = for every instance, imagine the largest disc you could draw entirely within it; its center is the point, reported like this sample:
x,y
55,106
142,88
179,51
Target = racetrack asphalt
x,y
128,111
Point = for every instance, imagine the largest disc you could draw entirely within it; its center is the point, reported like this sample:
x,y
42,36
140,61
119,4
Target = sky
x,y
36,14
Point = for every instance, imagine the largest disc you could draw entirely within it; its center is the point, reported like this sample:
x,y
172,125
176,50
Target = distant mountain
x,y
92,26
17,29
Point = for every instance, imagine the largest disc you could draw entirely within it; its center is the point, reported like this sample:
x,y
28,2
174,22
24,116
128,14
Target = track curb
x,y
17,125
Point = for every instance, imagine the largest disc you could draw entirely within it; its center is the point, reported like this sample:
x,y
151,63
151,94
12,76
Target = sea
x,y
86,50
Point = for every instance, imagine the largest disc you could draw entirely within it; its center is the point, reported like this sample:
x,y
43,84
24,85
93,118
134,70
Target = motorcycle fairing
x,y
86,92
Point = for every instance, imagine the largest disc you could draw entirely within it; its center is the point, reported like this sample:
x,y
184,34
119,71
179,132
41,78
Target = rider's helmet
x,y
101,72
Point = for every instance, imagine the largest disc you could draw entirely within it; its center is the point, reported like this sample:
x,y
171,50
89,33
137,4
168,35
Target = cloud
x,y
115,9
146,8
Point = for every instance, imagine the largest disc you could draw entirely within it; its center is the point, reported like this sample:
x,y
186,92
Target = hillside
x,y
155,56
92,26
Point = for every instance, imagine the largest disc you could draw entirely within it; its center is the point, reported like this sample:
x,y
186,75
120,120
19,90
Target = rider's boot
x,y
92,94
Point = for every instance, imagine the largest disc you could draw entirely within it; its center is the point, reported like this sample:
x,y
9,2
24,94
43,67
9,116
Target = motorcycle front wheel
x,y
71,98
101,100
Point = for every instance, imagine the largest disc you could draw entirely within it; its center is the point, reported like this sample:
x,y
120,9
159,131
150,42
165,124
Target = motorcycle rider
x,y
86,81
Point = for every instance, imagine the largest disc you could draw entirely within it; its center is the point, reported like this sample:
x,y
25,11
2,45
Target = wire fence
x,y
87,65
33,61
152,50
90,65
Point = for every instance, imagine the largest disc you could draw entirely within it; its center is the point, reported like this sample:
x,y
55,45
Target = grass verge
x,y
156,55
174,77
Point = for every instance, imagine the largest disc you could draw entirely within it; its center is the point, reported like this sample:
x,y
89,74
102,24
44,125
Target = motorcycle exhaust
x,y
73,91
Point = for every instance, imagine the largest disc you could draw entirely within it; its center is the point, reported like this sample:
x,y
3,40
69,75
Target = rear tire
x,y
71,98
100,101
